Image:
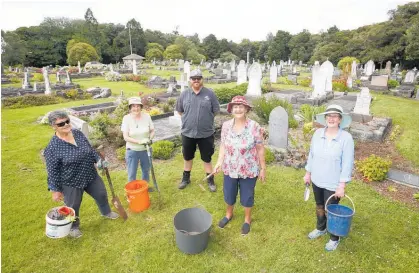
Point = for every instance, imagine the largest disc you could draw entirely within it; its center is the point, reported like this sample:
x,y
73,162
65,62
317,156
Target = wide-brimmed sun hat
x,y
135,100
237,100
334,109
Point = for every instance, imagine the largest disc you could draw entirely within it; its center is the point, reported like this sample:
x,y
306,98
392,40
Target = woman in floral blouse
x,y
242,159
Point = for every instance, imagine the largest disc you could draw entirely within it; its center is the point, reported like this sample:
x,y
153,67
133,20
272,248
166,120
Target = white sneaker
x,y
316,234
332,245
112,215
75,233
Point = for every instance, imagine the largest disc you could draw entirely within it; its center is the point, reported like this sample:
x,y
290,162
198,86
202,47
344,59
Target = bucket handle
x,y
353,205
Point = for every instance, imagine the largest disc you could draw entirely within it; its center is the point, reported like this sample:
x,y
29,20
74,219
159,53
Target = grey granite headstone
x,y
278,128
403,177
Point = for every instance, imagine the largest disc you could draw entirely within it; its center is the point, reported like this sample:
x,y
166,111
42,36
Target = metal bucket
x,y
192,228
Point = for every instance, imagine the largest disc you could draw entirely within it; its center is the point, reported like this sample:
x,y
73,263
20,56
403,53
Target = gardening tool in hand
x,y
307,192
115,199
153,176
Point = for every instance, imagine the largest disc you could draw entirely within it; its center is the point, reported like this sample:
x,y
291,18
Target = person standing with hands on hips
x,y
242,159
198,106
329,165
138,130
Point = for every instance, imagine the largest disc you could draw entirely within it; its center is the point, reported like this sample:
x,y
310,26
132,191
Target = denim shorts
x,y
246,187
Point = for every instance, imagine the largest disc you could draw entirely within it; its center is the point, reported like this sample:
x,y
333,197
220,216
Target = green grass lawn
x,y
384,233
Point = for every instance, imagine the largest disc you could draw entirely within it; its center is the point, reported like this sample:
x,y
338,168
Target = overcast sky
x,y
230,19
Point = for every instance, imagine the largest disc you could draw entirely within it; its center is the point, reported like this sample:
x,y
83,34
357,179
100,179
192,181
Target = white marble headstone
x,y
254,88
187,69
273,74
363,102
278,128
241,73
328,69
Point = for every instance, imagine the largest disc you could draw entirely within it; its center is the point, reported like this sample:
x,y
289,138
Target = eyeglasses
x,y
333,116
62,124
196,79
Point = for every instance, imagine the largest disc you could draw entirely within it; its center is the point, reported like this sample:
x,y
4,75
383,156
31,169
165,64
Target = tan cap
x,y
135,100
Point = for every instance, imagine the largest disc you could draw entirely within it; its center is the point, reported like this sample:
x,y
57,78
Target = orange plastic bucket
x,y
137,195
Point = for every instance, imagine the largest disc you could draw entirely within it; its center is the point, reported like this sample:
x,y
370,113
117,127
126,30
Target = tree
x,y
90,18
345,64
194,55
184,45
301,46
172,52
210,44
228,56
13,49
278,49
155,46
82,52
154,53
412,38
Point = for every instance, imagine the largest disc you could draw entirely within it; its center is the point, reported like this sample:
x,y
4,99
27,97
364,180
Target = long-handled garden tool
x,y
115,199
150,158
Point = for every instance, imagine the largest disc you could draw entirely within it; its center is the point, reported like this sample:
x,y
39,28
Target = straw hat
x,y
237,100
334,109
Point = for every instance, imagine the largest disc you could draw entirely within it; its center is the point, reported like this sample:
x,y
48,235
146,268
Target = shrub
x,y
171,102
308,112
283,80
30,100
308,130
269,156
15,80
373,168
120,111
154,111
116,136
120,153
305,82
167,108
392,83
225,95
263,108
416,196
339,85
292,123
113,76
163,149
100,124
395,132
71,94
38,77
347,61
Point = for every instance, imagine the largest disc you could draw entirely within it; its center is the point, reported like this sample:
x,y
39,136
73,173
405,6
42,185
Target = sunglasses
x,y
196,79
62,124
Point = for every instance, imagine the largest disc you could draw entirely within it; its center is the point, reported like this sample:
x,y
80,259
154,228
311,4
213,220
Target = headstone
x,y
294,70
134,67
26,84
254,88
79,124
248,57
349,82
34,87
278,128
293,78
314,73
316,63
233,65
273,74
319,84
46,79
396,69
78,65
363,102
328,69
388,68
10,69
58,77
300,63
410,77
228,74
353,70
241,73
187,69
369,68
380,81
68,79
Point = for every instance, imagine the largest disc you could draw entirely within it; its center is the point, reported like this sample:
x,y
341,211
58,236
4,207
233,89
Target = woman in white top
x,y
138,129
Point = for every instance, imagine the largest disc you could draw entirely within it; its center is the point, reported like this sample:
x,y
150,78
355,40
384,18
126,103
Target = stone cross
x,y
278,128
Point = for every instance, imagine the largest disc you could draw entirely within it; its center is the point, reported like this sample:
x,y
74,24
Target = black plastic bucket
x,y
192,228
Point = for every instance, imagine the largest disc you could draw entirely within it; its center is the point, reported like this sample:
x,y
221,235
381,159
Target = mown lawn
x,y
384,233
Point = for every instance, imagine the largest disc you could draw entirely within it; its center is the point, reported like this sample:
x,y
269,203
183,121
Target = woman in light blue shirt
x,y
329,165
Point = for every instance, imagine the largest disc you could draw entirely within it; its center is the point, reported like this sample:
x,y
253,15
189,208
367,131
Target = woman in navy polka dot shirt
x,y
70,161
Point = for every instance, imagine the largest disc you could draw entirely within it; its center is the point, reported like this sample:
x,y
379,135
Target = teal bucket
x,y
339,218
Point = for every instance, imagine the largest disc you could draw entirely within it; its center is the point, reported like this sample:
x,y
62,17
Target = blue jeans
x,y
132,157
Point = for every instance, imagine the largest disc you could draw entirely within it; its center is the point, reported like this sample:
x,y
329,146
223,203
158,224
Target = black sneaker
x,y
211,184
185,181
